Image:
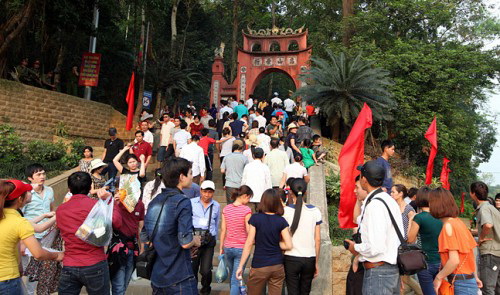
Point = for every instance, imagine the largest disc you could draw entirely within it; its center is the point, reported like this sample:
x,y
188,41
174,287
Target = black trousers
x,y
299,272
203,263
209,159
354,282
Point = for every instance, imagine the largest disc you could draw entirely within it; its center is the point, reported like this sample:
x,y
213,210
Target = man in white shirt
x,y
194,154
276,99
259,118
249,102
264,141
257,176
232,103
276,160
181,138
148,136
295,170
225,108
165,137
289,106
377,243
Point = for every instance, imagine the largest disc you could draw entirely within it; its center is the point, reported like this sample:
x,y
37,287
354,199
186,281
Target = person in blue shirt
x,y
388,150
241,109
206,217
171,211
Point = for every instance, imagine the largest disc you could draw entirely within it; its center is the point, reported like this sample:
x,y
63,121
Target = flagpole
x,y
92,45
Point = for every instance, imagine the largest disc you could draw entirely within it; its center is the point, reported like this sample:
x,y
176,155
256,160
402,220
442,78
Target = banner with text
x,y
147,100
89,71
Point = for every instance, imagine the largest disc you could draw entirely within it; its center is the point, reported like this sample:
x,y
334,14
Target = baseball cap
x,y
372,171
20,189
207,184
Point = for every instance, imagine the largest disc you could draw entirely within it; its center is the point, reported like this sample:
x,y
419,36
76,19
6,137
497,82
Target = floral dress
x,y
84,166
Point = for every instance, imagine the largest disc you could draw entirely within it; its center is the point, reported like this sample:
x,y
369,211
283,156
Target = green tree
x,y
341,85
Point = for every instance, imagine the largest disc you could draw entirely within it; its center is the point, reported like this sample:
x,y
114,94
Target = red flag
x,y
462,203
431,136
352,155
130,101
445,173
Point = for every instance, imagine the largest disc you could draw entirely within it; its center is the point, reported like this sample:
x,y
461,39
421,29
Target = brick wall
x,y
35,113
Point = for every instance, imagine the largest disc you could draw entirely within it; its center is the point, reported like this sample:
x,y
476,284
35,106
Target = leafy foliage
x,y
341,84
44,151
332,182
11,147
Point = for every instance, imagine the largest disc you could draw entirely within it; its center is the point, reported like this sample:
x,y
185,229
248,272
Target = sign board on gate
x,y
89,71
147,99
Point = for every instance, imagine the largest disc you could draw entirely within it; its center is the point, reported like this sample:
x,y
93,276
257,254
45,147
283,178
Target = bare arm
x,y
222,234
246,251
485,231
292,143
116,160
42,217
43,226
142,170
38,252
413,232
283,180
286,243
317,246
357,211
307,178
104,154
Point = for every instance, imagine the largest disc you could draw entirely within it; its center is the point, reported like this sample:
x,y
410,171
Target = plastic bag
x,y
97,229
222,272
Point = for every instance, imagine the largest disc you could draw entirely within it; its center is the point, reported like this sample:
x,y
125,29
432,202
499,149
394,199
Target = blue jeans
x,y
186,287
95,278
465,287
381,280
11,287
121,279
233,257
426,278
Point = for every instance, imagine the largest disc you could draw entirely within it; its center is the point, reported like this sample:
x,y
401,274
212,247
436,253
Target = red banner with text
x,y
89,71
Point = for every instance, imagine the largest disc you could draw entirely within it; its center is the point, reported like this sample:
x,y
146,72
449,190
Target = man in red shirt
x,y
141,147
84,264
204,143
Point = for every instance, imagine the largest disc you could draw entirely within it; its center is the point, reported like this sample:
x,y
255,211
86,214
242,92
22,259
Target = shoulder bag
x,y
411,259
145,261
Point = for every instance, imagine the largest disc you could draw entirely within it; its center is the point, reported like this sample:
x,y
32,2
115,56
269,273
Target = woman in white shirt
x,y
295,170
301,262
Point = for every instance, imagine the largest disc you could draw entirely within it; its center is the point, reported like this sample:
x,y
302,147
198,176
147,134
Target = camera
x,y
357,238
205,236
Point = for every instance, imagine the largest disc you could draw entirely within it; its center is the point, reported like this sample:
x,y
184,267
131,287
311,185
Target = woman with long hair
x,y
234,232
152,189
14,194
269,231
456,246
428,228
301,262
399,193
88,156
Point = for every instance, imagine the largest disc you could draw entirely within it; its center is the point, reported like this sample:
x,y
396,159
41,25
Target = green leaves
x,y
341,84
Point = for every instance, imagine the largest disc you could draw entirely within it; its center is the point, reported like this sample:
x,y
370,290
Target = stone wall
x,y
35,113
341,262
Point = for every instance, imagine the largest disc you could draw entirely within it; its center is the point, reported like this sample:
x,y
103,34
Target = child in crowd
x,y
317,147
308,156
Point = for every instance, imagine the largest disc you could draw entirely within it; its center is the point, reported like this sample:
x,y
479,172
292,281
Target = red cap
x,y
279,114
20,189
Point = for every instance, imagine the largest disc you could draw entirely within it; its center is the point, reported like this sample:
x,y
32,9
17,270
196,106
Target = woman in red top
x,y
234,231
196,127
456,246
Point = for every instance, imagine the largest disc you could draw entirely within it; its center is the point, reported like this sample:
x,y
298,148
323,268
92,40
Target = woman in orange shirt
x,y
456,246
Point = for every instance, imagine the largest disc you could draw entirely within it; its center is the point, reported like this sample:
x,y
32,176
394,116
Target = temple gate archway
x,y
264,51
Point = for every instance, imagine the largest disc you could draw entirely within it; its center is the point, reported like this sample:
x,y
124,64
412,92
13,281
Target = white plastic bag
x,y
222,272
97,229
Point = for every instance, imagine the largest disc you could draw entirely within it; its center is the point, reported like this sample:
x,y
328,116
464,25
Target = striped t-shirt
x,y
236,232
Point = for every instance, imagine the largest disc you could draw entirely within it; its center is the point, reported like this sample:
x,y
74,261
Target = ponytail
x,y
299,188
242,190
158,181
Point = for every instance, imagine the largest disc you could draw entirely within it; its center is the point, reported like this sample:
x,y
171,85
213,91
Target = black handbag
x,y
411,259
144,262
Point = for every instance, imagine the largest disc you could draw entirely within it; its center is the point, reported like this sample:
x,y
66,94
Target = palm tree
x,y
340,85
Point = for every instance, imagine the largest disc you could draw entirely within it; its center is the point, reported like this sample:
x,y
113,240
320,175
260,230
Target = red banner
x,y
445,174
352,155
130,98
89,71
431,136
462,201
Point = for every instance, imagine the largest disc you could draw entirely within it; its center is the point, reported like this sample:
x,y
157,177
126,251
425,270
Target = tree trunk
x,y
273,13
60,60
183,46
173,26
347,13
270,86
234,42
158,104
12,28
336,130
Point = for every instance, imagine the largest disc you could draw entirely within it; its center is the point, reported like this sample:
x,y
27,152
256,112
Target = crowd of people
x,y
457,263
264,155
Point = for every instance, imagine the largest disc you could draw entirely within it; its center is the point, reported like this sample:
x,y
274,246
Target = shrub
x,y
11,147
337,235
72,158
44,151
332,182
